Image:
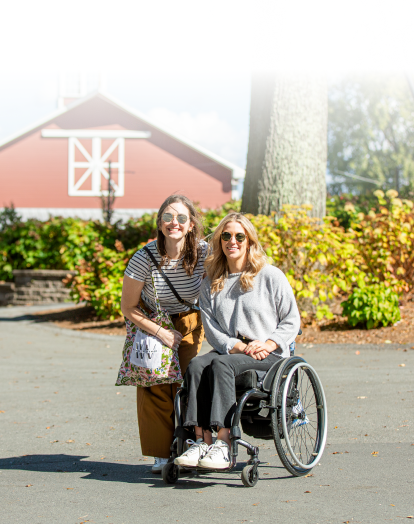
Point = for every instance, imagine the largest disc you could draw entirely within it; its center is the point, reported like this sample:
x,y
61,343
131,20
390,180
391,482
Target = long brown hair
x,y
216,264
192,250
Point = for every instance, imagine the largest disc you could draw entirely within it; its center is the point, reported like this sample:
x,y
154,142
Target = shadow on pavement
x,y
114,472
17,319
78,318
75,315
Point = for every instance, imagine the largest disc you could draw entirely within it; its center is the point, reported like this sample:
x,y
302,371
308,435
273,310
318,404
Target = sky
x,y
188,64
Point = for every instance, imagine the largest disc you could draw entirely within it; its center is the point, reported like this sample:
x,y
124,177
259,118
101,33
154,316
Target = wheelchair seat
x,y
253,378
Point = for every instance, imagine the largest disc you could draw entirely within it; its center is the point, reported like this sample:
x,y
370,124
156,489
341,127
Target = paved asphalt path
x,y
70,451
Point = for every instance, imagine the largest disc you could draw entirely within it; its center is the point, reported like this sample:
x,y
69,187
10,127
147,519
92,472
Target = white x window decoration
x,y
95,164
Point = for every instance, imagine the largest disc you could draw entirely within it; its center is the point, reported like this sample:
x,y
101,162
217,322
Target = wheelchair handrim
x,y
324,417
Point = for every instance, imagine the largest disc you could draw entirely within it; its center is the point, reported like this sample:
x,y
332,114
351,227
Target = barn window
x,y
89,155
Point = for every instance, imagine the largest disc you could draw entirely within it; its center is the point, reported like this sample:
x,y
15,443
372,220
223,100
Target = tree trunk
x,y
286,159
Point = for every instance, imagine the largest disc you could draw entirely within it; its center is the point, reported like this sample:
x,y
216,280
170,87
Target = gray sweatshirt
x,y
268,311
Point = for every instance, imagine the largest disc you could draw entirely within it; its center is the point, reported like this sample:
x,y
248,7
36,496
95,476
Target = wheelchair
x,y
285,404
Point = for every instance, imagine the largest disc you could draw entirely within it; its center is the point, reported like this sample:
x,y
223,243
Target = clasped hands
x,y
256,349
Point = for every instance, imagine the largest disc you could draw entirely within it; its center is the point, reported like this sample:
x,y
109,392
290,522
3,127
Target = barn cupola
x,y
73,86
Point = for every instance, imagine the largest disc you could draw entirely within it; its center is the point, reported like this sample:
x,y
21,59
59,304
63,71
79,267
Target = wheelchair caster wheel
x,y
170,473
250,476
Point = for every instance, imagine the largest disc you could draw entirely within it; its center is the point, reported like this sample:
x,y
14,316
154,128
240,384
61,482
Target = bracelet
x,y
158,330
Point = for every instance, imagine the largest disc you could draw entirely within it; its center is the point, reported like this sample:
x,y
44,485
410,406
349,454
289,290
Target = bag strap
x,y
161,313
157,300
169,284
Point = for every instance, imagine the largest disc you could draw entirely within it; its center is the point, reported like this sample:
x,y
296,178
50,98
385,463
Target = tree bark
x,y
286,159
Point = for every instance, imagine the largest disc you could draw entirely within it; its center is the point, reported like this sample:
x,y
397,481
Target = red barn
x,y
59,166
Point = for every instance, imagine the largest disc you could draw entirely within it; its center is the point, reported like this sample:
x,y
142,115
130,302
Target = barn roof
x,y
237,172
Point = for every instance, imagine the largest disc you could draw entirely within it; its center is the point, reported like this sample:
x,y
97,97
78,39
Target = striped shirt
x,y
187,287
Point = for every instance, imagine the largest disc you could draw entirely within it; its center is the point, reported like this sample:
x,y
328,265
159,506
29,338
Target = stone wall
x,y
39,286
6,293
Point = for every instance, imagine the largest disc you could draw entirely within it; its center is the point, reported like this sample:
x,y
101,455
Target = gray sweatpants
x,y
210,381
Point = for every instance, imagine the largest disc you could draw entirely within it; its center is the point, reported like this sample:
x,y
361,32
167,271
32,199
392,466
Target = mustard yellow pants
x,y
155,405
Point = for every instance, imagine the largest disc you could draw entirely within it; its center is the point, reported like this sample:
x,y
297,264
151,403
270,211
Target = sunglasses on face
x,y
167,217
226,236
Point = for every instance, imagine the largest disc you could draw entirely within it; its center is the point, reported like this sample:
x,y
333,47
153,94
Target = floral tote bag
x,y
145,360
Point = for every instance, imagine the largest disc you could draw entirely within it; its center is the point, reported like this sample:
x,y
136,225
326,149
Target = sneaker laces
x,y
218,448
194,447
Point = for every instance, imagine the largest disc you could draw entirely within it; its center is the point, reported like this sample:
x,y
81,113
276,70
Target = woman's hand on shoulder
x,y
170,337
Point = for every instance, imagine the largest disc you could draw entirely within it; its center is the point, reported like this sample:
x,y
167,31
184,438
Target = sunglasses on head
x,y
226,236
167,217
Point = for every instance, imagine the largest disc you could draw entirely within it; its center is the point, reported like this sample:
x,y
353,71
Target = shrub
x,y
385,241
320,260
8,217
101,272
62,243
372,305
323,261
212,217
99,280
348,208
55,244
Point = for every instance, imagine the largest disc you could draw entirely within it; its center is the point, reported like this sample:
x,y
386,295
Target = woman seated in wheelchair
x,y
250,318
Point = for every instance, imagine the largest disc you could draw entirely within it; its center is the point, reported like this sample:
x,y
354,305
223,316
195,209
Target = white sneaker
x,y
194,453
159,463
217,457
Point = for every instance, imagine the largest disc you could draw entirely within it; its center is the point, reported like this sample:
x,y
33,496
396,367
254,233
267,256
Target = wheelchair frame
x,y
279,395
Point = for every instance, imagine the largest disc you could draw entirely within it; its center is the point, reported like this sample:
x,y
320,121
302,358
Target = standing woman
x,y
180,253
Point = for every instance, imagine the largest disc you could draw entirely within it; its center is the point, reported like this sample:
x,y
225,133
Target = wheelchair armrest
x,y
268,380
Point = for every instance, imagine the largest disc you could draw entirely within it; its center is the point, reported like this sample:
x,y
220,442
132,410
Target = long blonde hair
x,y
216,263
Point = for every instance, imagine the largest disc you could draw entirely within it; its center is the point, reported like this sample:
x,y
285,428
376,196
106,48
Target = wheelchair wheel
x,y
300,420
250,476
170,473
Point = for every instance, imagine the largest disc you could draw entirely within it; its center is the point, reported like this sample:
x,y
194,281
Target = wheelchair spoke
x,y
306,395
302,394
308,454
300,445
310,436
305,457
311,402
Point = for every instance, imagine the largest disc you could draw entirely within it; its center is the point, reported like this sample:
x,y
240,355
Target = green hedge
x,y
324,261
62,243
